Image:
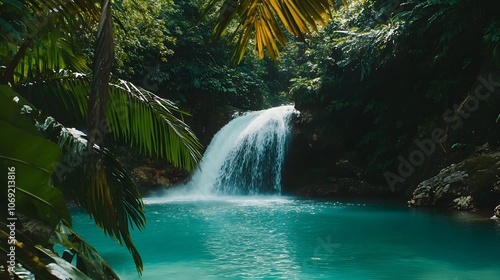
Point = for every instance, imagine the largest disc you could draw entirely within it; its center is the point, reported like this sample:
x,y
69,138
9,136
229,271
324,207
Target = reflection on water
x,y
285,238
251,241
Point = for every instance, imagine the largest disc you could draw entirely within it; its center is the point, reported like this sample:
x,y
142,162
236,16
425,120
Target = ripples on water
x,y
285,238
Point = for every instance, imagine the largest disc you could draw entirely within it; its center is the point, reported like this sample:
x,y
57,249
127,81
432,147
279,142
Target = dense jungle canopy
x,y
80,78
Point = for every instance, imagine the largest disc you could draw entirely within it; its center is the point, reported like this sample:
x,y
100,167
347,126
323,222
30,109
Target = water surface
x,y
288,238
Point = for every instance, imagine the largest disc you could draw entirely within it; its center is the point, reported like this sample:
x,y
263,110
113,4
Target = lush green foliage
x,y
32,161
196,71
34,155
141,35
379,75
382,72
42,62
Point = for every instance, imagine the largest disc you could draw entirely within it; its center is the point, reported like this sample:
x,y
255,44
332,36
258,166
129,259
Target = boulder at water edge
x,y
472,183
496,213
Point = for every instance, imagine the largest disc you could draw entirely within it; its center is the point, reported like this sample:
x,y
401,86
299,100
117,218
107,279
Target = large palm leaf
x,y
40,209
264,20
43,263
109,196
95,266
33,159
25,23
153,124
44,56
134,115
26,254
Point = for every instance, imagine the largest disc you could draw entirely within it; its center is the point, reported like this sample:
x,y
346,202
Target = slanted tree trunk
x,y
8,76
103,57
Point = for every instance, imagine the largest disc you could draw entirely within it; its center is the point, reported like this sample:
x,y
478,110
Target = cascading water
x,y
246,156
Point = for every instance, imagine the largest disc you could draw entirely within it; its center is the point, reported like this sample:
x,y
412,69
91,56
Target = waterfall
x,y
246,156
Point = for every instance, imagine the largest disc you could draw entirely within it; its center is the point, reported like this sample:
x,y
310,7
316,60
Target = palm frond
x,y
134,115
264,20
26,254
62,94
96,267
108,194
110,197
26,152
53,52
33,23
70,8
141,118
41,262
60,267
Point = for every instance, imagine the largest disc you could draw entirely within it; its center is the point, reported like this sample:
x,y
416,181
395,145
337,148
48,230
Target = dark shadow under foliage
x,y
386,73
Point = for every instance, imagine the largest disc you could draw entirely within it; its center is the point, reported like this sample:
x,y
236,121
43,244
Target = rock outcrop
x,y
157,175
315,166
442,189
467,185
496,213
150,174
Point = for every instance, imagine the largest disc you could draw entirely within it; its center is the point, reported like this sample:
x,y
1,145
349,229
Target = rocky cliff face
x,y
150,174
474,182
317,164
461,170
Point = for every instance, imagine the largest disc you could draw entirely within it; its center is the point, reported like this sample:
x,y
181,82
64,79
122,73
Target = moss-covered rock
x,y
442,189
484,173
469,184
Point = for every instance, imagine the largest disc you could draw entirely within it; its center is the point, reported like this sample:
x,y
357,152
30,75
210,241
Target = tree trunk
x,y
104,51
8,76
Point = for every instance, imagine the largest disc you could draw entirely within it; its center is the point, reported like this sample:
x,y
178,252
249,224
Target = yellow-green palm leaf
x,y
263,21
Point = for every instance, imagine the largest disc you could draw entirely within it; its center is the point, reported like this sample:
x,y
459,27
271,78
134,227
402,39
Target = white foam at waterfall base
x,y
244,158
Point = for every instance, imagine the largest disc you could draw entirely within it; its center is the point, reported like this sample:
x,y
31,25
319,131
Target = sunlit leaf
x,y
260,18
134,115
